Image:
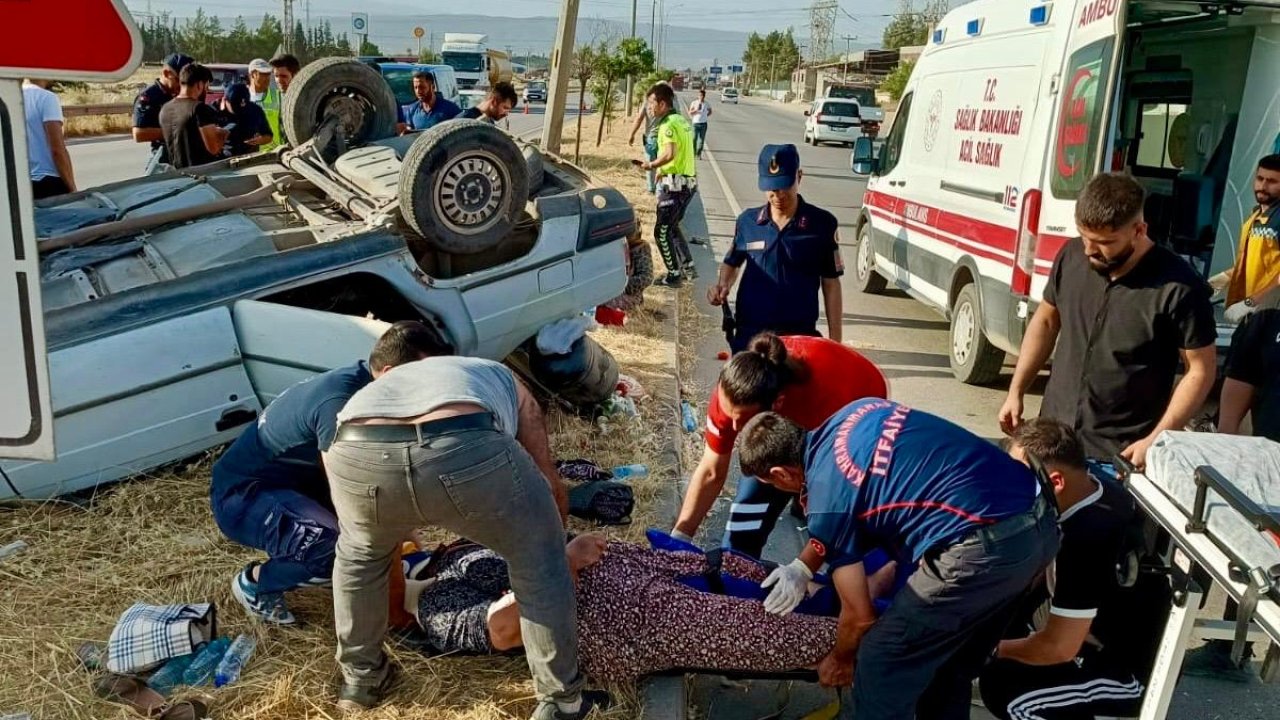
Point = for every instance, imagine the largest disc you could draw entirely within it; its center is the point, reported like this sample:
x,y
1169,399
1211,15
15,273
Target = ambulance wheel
x,y
344,89
463,186
868,280
974,360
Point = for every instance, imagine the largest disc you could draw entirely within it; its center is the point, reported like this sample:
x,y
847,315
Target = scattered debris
x,y
12,548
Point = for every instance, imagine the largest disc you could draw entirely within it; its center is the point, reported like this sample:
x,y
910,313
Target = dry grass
x,y
153,540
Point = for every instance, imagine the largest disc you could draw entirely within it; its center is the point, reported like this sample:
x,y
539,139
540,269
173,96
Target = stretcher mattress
x,y
1251,465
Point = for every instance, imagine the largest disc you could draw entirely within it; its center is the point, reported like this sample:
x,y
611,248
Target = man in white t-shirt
x,y
699,112
47,156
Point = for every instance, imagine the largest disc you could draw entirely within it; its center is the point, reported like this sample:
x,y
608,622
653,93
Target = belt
x,y
415,433
678,182
1015,525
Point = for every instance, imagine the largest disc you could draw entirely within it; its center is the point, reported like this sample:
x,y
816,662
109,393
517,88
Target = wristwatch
x,y
1248,302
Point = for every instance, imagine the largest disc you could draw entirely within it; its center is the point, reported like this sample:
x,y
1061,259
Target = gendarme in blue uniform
x,y
146,107
419,118
784,270
282,450
882,475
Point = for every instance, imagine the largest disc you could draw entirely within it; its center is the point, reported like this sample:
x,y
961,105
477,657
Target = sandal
x,y
185,710
131,691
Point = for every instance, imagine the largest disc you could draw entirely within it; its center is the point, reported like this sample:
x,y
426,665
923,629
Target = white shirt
x,y
42,106
700,112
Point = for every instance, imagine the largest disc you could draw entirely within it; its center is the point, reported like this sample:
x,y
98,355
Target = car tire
x,y
866,278
345,87
974,360
585,376
536,170
463,186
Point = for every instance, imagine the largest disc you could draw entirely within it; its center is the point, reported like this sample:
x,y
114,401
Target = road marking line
x,y
724,184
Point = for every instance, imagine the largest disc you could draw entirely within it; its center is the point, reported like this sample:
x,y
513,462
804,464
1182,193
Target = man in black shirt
x,y
1090,642
190,127
1253,372
499,103
147,106
1126,314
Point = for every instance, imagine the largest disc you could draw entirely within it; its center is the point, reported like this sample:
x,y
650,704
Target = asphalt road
x,y
908,340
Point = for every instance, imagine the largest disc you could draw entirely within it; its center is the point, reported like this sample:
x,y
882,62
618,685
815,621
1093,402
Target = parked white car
x,y
832,120
729,95
176,306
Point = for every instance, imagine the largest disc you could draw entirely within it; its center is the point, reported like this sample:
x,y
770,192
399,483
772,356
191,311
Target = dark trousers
x,y
699,138
298,532
742,334
921,656
753,515
1078,690
666,230
48,186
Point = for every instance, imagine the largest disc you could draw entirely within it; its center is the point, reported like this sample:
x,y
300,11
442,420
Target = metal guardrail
x,y
90,110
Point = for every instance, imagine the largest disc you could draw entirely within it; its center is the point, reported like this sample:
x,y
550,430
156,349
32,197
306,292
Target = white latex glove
x,y
790,585
1238,312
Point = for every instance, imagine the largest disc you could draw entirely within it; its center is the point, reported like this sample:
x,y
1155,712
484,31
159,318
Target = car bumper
x,y
825,133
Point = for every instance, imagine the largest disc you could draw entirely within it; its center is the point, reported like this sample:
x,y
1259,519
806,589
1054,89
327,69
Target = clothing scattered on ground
x,y
181,120
1254,359
558,338
415,389
41,106
418,117
635,617
604,502
639,278
1119,346
784,269
1257,265
147,635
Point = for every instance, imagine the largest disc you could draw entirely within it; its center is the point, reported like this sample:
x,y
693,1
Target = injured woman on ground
x,y
640,611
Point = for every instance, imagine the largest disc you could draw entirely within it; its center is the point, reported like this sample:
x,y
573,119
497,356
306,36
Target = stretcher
x,y
1216,502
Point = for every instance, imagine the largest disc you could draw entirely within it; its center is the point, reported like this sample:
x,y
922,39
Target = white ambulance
x,y
1014,105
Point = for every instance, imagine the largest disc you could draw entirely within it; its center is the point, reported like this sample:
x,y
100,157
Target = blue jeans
x,y
651,151
753,515
298,532
699,138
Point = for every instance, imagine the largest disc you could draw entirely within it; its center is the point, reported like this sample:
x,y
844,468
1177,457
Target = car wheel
x,y
463,186
586,375
974,360
868,280
341,88
533,162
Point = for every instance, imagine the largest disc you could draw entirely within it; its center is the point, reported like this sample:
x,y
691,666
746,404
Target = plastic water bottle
x,y
234,661
169,677
623,472
202,668
686,416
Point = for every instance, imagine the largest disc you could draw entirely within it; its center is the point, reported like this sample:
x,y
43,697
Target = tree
x,y
895,83
585,62
429,57
632,57
908,27
368,48
773,55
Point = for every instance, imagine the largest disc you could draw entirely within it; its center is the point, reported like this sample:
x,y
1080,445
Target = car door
x,y
132,401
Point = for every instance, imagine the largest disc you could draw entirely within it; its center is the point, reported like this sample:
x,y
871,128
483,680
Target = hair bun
x,y
770,346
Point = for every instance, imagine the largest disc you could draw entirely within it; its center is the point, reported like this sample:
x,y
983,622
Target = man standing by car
x,y
147,106
189,126
283,69
700,113
430,109
1257,266
676,177
976,523
1125,314
269,490
48,161
497,105
266,95
791,251
458,443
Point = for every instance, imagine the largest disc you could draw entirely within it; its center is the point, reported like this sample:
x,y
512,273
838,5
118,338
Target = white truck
x,y
473,61
1014,106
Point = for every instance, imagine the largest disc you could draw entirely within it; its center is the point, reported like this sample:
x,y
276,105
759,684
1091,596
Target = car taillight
x,y
1024,266
817,118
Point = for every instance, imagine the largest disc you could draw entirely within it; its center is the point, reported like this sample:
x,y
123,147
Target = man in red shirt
x,y
804,379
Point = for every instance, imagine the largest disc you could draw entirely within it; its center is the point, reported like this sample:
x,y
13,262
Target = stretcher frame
x,y
1254,588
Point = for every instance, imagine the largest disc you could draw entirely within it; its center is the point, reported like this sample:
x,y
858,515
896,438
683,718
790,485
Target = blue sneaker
x,y
268,607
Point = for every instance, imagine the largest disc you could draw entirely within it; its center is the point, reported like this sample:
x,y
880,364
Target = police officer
x,y
677,177
879,475
146,107
269,489
791,251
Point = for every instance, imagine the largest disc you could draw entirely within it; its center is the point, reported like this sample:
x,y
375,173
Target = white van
x,y
1013,106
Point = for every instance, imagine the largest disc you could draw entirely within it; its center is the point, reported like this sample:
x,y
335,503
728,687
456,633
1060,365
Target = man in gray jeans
x,y
457,443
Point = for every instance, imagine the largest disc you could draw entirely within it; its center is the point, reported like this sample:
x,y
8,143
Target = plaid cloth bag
x,y
147,635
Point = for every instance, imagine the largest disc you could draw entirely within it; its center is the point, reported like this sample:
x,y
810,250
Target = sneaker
x,y
354,698
698,241
1213,660
268,607
690,271
670,280
591,699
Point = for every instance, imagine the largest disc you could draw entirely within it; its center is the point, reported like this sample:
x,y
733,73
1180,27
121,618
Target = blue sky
x,y
740,15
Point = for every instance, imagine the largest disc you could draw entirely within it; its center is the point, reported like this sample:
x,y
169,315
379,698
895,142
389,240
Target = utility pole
x,y
561,62
306,10
847,39
287,35
630,80
653,24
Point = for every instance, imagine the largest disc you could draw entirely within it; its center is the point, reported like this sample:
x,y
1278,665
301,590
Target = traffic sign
x,y
418,32
715,69
360,23
735,69
41,39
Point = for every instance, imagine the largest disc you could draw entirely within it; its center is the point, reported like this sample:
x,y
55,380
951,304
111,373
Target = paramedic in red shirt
x,y
804,379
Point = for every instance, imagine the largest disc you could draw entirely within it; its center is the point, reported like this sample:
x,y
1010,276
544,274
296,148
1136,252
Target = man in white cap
x,y
266,94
